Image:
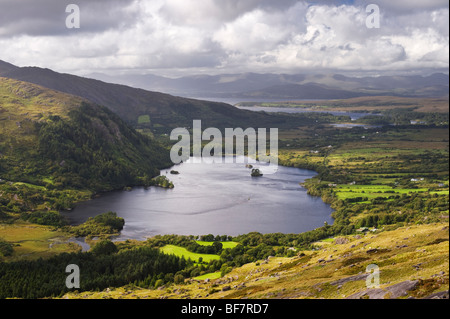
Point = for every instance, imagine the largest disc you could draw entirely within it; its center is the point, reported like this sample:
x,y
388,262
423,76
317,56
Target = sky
x,y
185,37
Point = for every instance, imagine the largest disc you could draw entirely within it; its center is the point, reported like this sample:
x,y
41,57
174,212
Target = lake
x,y
233,101
218,199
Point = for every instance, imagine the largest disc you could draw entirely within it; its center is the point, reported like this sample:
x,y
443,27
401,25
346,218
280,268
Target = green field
x,y
211,276
225,244
183,252
144,119
373,191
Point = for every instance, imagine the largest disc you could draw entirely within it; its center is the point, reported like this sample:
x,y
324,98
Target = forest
x,y
101,268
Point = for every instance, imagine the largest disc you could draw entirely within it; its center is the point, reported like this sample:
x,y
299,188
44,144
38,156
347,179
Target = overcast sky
x,y
182,37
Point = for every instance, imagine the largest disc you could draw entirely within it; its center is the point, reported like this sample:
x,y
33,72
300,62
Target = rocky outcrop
x,y
392,292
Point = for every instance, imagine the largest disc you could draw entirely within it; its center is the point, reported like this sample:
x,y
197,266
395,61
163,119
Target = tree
x,y
217,247
178,279
104,247
209,238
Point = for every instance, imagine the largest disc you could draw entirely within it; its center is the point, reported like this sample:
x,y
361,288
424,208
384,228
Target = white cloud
x,y
237,35
403,6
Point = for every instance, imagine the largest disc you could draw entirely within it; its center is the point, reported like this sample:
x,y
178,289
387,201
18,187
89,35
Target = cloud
x,y
194,12
190,36
260,30
405,6
47,17
336,37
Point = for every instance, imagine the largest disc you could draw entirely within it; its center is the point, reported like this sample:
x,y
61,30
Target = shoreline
x,y
302,184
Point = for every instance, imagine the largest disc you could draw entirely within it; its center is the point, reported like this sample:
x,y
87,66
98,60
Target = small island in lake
x,y
161,181
256,173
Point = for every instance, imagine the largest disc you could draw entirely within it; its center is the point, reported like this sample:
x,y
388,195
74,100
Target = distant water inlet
x,y
218,199
353,115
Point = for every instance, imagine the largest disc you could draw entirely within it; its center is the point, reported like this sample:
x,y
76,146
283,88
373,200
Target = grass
x,y
373,191
37,187
369,104
225,244
21,101
32,241
314,274
211,276
144,119
385,161
183,252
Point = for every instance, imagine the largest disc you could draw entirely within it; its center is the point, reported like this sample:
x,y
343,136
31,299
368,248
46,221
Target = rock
x,y
417,267
226,288
256,173
341,241
342,281
439,295
401,289
392,292
369,294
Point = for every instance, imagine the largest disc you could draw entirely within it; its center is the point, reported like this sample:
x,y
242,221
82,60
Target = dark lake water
x,y
218,199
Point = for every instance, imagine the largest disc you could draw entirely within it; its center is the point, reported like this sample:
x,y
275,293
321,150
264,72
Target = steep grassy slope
x,y
48,138
162,112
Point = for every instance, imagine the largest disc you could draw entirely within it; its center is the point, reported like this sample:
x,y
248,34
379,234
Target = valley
x,y
388,187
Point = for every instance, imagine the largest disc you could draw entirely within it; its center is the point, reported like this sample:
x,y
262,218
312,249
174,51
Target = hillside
x,y
412,261
139,108
52,139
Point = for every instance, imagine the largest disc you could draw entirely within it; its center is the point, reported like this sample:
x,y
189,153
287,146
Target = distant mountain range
x,y
136,98
285,86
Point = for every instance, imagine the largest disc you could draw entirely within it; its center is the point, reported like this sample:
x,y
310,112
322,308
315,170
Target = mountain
x,y
57,140
302,91
298,86
139,108
6,67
